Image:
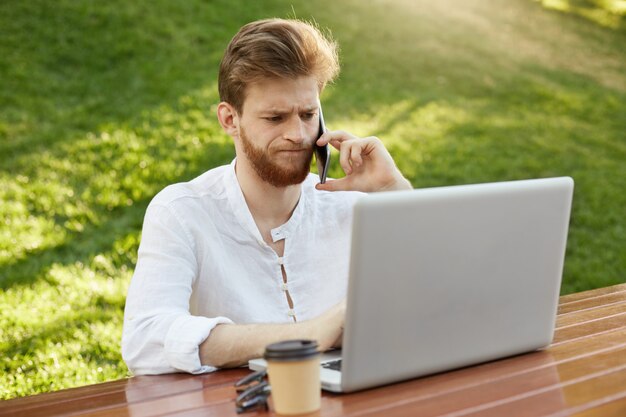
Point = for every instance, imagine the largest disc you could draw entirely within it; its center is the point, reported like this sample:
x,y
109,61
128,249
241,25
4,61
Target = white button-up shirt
x,y
202,262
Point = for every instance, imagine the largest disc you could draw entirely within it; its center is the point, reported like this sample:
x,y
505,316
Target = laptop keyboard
x,y
334,365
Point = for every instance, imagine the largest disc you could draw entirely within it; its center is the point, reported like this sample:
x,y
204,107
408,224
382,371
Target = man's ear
x,y
228,118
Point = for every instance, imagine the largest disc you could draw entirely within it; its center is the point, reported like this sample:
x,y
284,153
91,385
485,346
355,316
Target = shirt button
x,y
280,260
283,286
291,312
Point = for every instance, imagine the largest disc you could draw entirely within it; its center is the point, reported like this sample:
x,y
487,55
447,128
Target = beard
x,y
277,168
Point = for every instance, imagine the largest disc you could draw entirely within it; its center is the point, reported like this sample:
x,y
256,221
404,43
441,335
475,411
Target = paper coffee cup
x,y
293,369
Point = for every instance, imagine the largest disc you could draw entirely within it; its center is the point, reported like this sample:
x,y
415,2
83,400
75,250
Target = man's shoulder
x,y
210,183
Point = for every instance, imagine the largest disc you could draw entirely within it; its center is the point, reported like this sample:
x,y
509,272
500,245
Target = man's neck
x,y
270,206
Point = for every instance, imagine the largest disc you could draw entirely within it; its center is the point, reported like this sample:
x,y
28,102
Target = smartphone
x,y
322,153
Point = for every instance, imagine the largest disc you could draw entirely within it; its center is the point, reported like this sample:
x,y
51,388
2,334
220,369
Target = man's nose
x,y
296,130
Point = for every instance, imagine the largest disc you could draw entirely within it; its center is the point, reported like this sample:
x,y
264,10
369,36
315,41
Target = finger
x,y
335,136
344,157
323,140
355,155
342,184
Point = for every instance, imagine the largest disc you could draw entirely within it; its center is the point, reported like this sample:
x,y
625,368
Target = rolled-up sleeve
x,y
160,335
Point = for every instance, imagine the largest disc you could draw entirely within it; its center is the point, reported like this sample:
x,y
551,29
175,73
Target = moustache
x,y
300,148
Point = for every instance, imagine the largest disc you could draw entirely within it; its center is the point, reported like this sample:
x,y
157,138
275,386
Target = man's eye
x,y
274,118
308,116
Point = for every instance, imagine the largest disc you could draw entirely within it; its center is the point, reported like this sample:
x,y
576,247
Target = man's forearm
x,y
230,345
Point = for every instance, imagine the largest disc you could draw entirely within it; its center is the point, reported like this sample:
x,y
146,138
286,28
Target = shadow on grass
x,y
63,330
105,68
70,67
98,237
77,247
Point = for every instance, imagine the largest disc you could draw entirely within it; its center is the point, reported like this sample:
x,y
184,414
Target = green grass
x,y
103,104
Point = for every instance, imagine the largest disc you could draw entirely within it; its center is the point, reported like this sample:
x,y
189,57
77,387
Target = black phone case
x,y
322,153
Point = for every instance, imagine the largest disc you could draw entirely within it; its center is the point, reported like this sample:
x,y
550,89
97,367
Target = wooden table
x,y
583,373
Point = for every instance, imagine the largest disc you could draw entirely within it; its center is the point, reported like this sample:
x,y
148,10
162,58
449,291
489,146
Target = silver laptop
x,y
443,278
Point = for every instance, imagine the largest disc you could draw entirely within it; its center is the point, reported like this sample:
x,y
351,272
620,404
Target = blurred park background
x,y
102,104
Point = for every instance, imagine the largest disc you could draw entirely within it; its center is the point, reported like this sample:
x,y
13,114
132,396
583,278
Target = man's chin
x,y
289,171
286,178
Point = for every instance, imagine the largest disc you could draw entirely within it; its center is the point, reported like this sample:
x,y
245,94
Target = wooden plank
x,y
539,403
612,408
63,395
578,368
226,410
550,400
545,392
558,401
427,397
587,329
591,293
588,346
550,403
329,407
87,391
207,398
220,410
609,384
226,377
578,317
134,390
185,404
593,302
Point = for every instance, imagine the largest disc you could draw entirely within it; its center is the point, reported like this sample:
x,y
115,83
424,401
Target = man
x,y
256,251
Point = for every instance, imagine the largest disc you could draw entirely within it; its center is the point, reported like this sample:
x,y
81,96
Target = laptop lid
x,y
447,277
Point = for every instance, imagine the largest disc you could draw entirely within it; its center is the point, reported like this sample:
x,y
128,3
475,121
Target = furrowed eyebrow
x,y
273,112
278,111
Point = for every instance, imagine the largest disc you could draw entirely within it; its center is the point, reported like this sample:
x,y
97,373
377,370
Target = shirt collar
x,y
286,230
242,213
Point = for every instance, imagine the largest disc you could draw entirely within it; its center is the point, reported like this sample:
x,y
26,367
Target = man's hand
x,y
368,165
327,329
